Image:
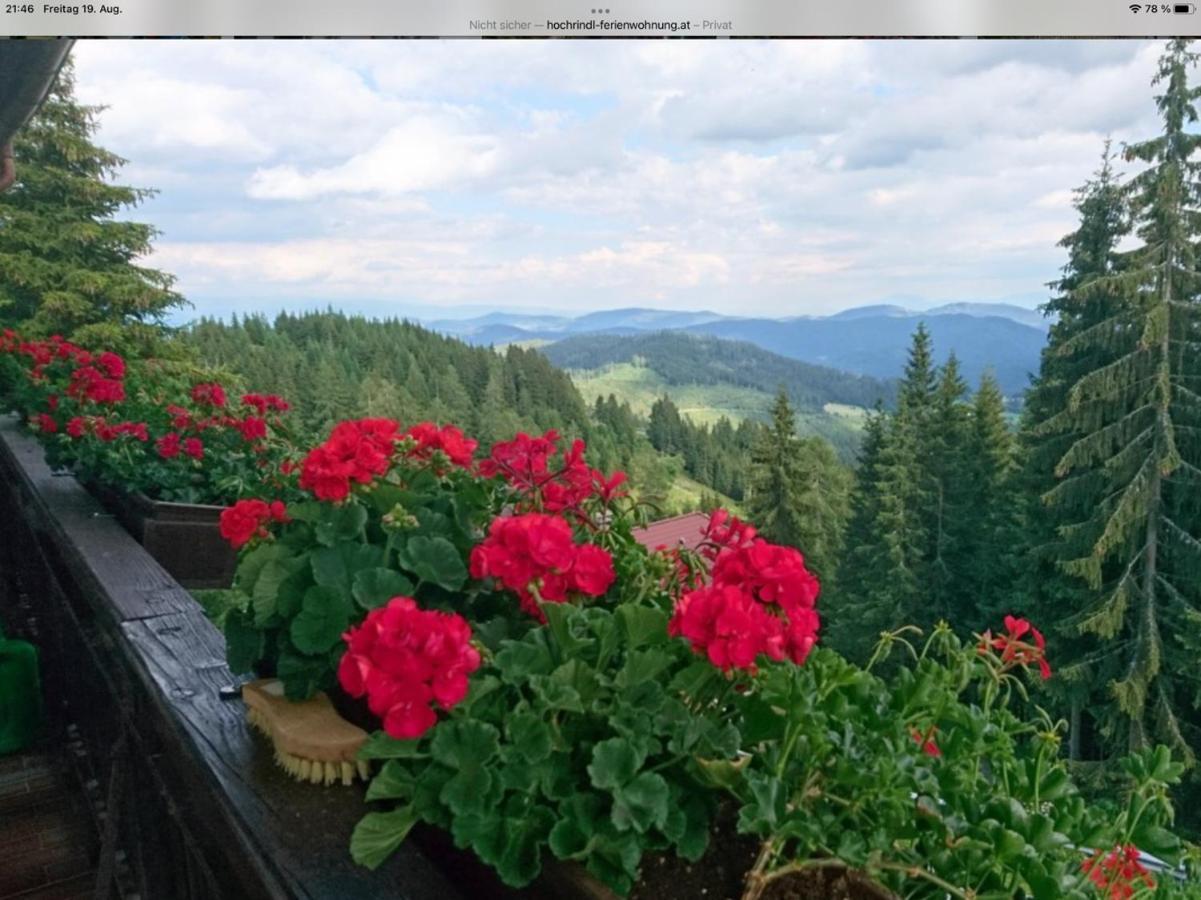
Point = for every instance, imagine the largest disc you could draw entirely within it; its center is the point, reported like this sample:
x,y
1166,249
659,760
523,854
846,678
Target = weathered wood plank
x,y
96,551
248,826
301,832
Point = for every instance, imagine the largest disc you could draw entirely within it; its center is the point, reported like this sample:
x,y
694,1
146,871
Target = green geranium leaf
x,y
641,804
695,840
375,587
614,763
614,860
323,617
567,840
290,597
556,694
393,782
530,736
267,587
335,567
461,744
302,675
641,666
521,859
434,560
339,522
381,745
469,791
643,625
467,747
518,660
483,832
378,834
244,644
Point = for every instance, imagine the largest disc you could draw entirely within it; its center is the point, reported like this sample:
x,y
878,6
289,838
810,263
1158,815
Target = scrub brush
x,y
312,742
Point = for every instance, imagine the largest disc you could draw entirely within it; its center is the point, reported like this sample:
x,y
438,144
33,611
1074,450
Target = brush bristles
x,y
316,772
313,771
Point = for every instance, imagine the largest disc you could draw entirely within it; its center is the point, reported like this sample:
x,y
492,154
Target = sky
x,y
768,177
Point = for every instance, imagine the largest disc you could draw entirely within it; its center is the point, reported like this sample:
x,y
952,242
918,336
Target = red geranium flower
x,y
168,445
1117,872
724,531
77,427
355,451
193,447
726,624
252,428
535,556
1014,650
404,659
526,464
447,439
248,519
209,394
112,364
45,423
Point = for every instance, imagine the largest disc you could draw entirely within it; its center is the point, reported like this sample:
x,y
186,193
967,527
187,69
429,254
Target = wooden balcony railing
x,y
193,806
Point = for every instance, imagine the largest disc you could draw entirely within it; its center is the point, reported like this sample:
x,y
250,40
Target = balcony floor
x,y
47,845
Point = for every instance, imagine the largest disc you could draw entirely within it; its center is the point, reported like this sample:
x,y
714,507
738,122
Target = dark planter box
x,y
184,538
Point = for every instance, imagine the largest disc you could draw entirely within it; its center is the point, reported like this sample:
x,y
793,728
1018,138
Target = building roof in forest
x,y
686,530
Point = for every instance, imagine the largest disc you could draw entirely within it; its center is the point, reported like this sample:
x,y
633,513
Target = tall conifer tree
x,y
1136,464
1081,302
67,264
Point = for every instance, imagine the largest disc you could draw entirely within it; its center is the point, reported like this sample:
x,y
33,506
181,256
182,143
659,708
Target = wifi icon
x,y
1134,7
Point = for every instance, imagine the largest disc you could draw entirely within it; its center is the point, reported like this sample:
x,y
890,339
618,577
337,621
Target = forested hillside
x,y
333,366
684,359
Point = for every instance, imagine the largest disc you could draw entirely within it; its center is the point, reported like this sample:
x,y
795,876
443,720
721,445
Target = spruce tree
x,y
943,464
67,264
1046,593
1136,465
775,477
989,514
799,491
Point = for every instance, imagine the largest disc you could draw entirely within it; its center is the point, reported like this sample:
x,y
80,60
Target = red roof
x,y
685,530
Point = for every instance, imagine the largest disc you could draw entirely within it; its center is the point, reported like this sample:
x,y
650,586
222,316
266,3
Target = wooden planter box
x,y
184,538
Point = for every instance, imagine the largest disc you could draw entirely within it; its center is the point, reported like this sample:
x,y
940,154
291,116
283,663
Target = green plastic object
x,y
20,694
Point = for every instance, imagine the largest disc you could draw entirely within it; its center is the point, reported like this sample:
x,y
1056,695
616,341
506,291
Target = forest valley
x,y
1084,518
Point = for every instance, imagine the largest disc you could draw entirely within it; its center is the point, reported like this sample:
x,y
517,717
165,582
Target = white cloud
x,y
792,176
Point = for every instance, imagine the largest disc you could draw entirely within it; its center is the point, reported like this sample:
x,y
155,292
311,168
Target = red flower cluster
x,y
1115,873
107,431
209,394
724,531
264,402
170,445
762,600
726,624
526,464
253,428
248,519
99,386
45,423
536,556
404,659
448,439
1014,650
356,451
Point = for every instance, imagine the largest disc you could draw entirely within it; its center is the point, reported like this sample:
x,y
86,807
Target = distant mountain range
x,y
868,340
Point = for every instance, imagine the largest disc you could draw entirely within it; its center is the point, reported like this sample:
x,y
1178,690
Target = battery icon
x,y
1183,8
